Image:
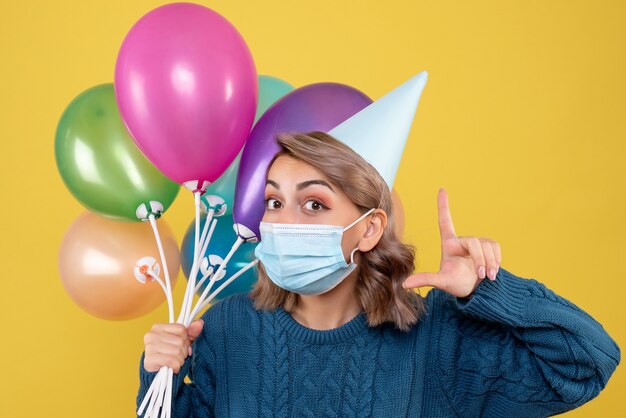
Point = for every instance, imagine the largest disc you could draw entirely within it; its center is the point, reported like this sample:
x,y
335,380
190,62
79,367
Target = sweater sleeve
x,y
514,348
194,399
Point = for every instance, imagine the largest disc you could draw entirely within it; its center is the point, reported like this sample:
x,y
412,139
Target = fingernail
x,y
189,350
481,272
492,273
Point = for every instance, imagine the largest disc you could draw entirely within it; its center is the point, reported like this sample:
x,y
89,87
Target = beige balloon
x,y
398,212
96,262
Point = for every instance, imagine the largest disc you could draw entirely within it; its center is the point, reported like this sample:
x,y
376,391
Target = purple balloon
x,y
315,107
186,86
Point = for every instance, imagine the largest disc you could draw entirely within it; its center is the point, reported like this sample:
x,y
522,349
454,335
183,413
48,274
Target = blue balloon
x,y
223,238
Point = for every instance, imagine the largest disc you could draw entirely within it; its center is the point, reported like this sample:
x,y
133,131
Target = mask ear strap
x,y
359,219
355,222
352,255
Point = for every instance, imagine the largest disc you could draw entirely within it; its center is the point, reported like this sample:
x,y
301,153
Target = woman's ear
x,y
374,231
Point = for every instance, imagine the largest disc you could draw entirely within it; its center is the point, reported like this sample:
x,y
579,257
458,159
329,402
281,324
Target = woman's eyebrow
x,y
272,183
308,183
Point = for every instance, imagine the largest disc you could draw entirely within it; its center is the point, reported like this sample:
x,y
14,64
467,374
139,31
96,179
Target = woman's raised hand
x,y
169,345
465,261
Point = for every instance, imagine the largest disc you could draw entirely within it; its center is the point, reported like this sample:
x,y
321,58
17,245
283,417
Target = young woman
x,y
334,328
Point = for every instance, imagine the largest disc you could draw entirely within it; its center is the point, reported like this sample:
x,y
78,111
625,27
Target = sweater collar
x,y
343,333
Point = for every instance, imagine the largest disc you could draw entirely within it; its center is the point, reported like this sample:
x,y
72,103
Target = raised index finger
x,y
446,228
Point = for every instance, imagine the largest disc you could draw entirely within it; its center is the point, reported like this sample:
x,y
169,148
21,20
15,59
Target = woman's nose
x,y
287,217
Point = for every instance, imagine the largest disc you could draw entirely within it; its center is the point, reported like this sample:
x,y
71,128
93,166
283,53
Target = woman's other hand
x,y
169,345
465,261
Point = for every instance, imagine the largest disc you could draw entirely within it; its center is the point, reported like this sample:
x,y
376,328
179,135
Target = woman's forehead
x,y
288,170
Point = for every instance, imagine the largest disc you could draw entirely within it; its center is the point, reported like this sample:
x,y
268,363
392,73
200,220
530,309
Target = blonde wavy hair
x,y
382,269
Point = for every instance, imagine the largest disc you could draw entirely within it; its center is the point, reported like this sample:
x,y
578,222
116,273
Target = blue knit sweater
x,y
512,349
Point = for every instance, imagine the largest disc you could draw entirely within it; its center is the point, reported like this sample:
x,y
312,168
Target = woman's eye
x,y
314,205
272,204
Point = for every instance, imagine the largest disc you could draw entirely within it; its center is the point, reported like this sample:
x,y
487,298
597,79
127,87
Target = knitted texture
x,y
513,348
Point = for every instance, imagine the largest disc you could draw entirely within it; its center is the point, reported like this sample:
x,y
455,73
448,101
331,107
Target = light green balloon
x,y
270,90
100,163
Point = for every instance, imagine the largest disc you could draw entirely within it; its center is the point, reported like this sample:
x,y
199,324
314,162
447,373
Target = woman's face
x,y
297,192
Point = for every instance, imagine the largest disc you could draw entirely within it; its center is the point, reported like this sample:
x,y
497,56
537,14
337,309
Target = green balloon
x,y
99,162
270,90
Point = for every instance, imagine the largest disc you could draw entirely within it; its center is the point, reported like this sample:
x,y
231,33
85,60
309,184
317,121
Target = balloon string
x,y
188,299
189,292
183,308
204,240
148,396
207,239
208,274
195,311
168,394
168,388
160,383
221,268
156,277
163,389
196,247
155,395
194,273
156,386
157,400
168,284
214,278
156,390
160,392
227,282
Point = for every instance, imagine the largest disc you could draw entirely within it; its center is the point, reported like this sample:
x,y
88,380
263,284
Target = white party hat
x,y
379,132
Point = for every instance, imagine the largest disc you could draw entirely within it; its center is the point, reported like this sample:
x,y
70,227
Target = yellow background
x,y
522,121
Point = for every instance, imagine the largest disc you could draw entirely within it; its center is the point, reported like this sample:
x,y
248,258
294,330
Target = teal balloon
x,y
100,163
224,186
270,90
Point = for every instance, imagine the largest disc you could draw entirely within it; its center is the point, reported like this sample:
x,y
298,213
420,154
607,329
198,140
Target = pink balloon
x,y
186,86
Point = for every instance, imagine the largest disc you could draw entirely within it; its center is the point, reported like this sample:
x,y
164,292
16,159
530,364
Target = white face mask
x,y
305,258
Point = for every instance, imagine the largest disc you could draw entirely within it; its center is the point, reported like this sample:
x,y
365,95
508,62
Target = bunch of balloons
x,y
187,107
